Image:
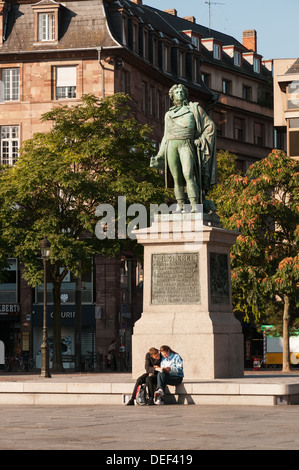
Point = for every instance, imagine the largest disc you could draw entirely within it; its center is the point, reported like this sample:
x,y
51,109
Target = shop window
x,y
10,84
9,144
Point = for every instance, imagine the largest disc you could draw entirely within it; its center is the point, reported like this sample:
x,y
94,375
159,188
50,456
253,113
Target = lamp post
x,y
45,253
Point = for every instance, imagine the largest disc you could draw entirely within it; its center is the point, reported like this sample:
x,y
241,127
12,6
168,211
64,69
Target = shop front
x,y
88,328
10,318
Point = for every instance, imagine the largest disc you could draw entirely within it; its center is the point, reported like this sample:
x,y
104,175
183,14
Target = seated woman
x,y
170,372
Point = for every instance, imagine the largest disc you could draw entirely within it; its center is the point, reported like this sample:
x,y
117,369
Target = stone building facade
x,y
53,53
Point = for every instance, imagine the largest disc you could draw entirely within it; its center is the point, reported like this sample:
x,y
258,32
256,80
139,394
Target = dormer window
x,y
254,59
195,38
181,68
165,58
46,21
256,65
46,27
216,51
196,42
237,58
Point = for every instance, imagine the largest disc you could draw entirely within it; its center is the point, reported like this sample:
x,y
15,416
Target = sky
x,y
275,21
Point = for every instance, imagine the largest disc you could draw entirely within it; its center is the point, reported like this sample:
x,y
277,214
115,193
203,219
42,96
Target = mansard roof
x,y
173,27
82,25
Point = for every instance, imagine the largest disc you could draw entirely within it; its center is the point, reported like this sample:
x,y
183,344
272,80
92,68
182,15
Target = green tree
x,y
94,152
263,206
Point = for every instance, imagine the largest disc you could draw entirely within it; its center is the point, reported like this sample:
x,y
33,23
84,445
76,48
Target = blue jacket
x,y
175,362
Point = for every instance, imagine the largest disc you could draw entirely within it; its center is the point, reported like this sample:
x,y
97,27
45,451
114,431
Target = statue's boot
x,y
193,202
180,205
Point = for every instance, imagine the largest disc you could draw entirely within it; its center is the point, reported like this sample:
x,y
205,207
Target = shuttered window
x,y
66,78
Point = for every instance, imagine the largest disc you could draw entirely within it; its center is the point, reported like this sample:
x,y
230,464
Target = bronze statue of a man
x,y
188,149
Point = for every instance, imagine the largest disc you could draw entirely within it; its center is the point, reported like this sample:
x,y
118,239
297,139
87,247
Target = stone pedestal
x,y
187,297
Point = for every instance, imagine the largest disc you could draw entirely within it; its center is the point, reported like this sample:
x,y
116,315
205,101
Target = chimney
x,y
171,12
250,39
139,2
192,19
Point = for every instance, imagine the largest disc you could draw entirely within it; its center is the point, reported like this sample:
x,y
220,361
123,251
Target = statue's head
x,y
178,93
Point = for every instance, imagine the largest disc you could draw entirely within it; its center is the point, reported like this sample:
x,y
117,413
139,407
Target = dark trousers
x,y
166,379
149,380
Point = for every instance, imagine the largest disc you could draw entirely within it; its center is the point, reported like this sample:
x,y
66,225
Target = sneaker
x,y
150,401
130,402
159,393
159,401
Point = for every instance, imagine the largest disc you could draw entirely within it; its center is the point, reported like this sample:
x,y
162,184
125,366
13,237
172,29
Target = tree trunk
x,y
57,357
285,335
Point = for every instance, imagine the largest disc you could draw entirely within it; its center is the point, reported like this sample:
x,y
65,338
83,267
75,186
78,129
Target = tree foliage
x,y
94,152
264,207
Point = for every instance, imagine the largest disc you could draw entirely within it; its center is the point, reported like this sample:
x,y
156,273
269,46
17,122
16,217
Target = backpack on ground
x,y
141,395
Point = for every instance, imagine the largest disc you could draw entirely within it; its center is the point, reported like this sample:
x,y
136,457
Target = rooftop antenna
x,y
212,3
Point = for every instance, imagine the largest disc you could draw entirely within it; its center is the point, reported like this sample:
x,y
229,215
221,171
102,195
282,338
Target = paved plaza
x,y
165,428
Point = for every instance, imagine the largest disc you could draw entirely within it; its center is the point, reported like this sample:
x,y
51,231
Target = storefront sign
x,y
6,309
67,315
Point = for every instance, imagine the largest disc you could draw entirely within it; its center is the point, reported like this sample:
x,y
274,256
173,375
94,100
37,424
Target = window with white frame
x,y
237,58
46,27
66,80
9,136
217,51
10,84
195,42
256,65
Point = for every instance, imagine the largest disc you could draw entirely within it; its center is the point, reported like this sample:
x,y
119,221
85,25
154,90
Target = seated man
x,y
152,359
170,372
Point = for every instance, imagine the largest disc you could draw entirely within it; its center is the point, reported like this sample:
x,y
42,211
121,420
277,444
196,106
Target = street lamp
x,y
45,253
